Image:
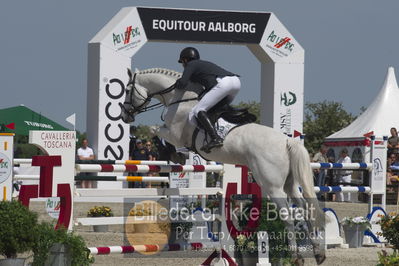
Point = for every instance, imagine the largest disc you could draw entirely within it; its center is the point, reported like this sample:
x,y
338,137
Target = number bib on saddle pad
x,y
223,127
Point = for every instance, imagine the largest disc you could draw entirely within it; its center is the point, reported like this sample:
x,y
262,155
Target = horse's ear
x,y
129,72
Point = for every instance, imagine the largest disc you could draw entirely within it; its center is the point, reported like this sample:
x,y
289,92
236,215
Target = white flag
x,y
72,119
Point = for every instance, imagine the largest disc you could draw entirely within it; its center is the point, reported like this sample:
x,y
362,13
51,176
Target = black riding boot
x,y
206,124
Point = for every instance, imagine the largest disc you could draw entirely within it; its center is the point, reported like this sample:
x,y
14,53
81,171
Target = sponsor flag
x,y
368,135
10,126
72,119
297,134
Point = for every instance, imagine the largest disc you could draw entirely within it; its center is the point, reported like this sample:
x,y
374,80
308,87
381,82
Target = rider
x,y
218,83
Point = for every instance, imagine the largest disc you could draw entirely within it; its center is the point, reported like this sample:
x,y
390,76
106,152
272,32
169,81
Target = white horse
x,y
279,164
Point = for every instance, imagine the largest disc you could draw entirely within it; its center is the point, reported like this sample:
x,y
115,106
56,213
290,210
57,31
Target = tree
x,y
253,107
144,132
323,119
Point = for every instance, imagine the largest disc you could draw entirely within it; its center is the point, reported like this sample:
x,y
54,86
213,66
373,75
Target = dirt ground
x,y
335,256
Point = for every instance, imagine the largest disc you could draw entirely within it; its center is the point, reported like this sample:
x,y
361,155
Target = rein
x,y
142,108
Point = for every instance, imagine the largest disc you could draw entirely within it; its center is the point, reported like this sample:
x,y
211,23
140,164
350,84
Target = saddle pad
x,y
223,127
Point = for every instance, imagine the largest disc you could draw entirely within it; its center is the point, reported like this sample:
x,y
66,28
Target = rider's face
x,y
184,62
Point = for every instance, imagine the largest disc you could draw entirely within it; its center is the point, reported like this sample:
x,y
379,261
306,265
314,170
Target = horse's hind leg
x,y
279,197
291,187
271,178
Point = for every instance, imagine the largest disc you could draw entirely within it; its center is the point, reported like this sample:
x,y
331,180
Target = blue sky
x,y
43,57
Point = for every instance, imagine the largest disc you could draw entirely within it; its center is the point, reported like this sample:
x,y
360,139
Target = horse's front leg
x,y
176,157
163,132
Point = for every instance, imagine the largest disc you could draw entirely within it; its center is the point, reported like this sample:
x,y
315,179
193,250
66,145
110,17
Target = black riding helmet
x,y
189,53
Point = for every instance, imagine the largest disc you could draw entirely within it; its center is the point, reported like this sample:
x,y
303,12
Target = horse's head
x,y
136,99
156,83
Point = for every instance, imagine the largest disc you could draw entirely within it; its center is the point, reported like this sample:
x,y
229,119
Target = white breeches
x,y
340,196
226,87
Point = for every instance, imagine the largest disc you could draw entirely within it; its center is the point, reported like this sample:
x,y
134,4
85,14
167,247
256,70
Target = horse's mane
x,y
194,87
159,70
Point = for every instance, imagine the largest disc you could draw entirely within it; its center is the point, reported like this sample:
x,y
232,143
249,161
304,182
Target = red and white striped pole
x,y
143,248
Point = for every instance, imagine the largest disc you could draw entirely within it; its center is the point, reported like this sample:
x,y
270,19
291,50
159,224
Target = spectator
x,y
320,174
330,180
85,153
140,153
394,162
391,159
393,141
343,177
392,168
330,173
391,177
152,155
165,151
132,141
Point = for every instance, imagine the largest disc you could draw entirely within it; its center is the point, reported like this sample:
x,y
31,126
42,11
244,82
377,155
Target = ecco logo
x,y
117,92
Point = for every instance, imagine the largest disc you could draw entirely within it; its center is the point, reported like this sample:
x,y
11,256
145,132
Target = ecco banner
x,y
208,26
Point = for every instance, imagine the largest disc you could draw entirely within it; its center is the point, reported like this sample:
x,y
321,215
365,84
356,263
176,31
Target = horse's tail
x,y
302,172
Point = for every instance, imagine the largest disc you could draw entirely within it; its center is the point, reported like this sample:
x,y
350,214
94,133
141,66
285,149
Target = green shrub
x,y
390,229
388,260
278,242
46,237
16,223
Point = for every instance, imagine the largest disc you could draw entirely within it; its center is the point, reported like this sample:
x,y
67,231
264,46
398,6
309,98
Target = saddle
x,y
234,117
223,109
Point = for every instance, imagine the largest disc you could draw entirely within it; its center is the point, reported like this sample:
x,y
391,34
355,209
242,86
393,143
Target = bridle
x,y
143,107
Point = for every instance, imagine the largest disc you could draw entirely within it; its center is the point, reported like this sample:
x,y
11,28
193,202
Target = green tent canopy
x,y
25,119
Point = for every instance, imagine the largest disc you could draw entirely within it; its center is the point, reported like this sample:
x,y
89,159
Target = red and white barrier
x,y
145,248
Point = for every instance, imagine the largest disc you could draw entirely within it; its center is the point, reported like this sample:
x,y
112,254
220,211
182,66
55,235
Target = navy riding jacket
x,y
202,72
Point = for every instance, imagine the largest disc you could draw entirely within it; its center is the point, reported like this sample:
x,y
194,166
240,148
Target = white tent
x,y
379,117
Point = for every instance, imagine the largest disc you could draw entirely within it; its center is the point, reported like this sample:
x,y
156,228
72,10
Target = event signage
x,y
379,155
53,207
281,46
200,25
5,167
287,99
127,37
279,43
179,180
127,34
115,90
263,247
57,143
39,125
113,48
197,179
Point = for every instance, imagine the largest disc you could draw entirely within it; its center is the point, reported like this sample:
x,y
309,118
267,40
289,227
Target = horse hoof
x,y
320,259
